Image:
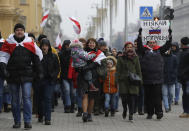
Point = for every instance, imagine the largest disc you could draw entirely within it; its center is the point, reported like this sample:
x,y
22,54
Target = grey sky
x,y
82,10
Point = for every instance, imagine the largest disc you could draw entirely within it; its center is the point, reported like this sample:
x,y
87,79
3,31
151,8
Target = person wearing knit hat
x,y
20,58
19,25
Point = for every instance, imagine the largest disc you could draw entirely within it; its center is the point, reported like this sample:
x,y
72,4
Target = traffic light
x,y
168,13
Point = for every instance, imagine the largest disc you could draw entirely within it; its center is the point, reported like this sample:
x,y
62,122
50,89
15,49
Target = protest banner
x,y
155,30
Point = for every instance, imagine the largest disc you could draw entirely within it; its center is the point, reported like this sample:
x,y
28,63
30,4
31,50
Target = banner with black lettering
x,y
155,30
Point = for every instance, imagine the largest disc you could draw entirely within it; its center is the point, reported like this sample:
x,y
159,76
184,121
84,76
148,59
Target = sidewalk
x,y
69,122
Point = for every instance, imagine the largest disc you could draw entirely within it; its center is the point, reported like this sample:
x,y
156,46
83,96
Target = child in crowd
x,y
110,87
80,58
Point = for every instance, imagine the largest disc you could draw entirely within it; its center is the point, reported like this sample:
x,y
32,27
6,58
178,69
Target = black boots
x,y
79,113
67,109
27,125
106,113
17,125
124,114
6,109
47,122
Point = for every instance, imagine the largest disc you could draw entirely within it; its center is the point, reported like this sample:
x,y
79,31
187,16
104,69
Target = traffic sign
x,y
146,13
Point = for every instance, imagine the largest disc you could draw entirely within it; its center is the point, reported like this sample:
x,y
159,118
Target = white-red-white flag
x,y
44,19
76,25
58,41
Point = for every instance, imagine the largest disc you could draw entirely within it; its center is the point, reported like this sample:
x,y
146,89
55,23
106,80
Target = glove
x,y
3,70
140,31
170,31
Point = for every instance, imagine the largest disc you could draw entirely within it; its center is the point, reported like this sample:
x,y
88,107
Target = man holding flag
x,y
19,61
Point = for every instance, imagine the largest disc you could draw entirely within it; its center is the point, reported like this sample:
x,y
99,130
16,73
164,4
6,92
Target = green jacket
x,y
122,74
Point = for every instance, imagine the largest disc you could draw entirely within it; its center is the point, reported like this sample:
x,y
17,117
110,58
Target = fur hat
x,y
113,59
76,43
185,40
19,25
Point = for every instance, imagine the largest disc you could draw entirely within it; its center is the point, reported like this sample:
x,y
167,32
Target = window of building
x,y
23,2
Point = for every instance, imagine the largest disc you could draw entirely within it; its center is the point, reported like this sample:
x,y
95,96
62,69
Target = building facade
x,y
181,18
27,12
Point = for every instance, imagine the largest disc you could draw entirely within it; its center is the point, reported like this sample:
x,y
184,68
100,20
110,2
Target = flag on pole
x,y
76,25
44,19
58,41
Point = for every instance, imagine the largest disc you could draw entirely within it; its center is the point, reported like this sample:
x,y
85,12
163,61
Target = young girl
x,y
110,87
80,58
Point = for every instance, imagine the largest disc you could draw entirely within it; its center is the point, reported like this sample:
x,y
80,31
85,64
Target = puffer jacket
x,y
79,56
152,62
110,85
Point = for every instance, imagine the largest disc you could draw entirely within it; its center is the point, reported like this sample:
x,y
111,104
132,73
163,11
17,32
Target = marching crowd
x,y
90,77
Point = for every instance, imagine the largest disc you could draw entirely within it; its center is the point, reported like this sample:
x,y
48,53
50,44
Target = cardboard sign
x,y
155,30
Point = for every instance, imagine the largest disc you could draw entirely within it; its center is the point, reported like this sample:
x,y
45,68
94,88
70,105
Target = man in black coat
x,y
152,72
19,61
183,75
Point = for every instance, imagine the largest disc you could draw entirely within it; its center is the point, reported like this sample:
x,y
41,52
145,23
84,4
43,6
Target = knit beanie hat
x,y
19,25
76,43
185,40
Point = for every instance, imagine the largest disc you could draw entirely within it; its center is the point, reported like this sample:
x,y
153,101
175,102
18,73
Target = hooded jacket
x,y
65,61
50,63
110,85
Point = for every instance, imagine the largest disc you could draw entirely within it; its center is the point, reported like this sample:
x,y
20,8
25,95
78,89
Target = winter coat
x,y
65,63
79,56
183,69
152,62
110,85
23,65
170,69
91,65
50,65
123,64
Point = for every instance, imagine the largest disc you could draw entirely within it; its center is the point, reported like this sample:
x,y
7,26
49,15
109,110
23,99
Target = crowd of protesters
x,y
90,78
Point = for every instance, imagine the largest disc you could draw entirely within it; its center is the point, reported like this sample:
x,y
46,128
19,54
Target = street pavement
x,y
69,122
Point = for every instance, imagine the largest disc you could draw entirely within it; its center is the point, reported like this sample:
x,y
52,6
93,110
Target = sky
x,y
83,10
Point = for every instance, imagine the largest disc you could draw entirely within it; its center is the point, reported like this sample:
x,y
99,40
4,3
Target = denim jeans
x,y
46,89
7,98
69,92
185,97
79,97
116,101
26,97
167,92
1,93
110,98
177,91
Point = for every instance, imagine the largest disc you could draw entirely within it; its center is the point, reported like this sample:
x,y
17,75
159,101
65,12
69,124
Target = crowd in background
x,y
90,77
